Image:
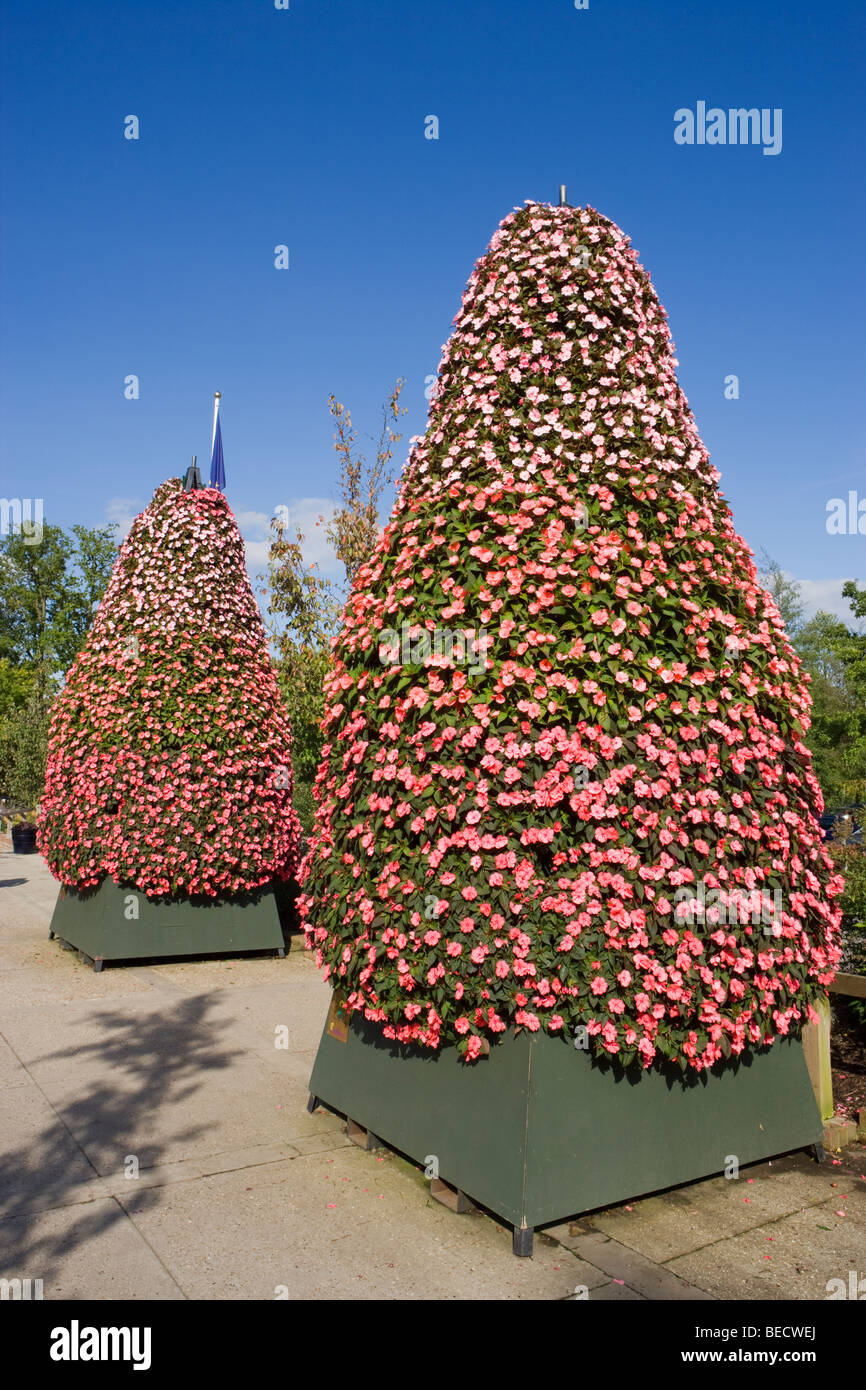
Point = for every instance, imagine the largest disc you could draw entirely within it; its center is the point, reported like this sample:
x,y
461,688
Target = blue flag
x,y
217,469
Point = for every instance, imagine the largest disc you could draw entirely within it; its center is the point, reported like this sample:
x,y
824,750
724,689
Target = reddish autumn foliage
x,y
603,813
169,758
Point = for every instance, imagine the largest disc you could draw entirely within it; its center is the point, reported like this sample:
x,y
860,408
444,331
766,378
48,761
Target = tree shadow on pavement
x,y
156,1061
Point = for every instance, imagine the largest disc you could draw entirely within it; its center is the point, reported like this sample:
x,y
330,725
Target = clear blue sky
x,y
305,126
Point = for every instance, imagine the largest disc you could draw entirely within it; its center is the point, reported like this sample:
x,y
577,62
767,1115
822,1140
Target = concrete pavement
x,y
154,1143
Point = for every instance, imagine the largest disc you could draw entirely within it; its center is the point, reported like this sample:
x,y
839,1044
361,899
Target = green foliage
x,y
835,657
304,805
16,685
354,527
34,592
784,592
301,673
47,593
304,611
304,605
23,744
94,557
850,860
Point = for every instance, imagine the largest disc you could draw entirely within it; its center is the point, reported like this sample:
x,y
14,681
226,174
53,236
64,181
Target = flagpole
x,y
216,405
217,471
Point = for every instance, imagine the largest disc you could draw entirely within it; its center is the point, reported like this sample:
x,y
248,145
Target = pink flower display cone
x,y
564,790
169,759
546,829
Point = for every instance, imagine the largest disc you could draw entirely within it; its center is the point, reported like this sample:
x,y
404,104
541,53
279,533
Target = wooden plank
x,y
854,986
816,1046
451,1197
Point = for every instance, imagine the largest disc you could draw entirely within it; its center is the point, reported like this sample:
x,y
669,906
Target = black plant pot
x,y
24,838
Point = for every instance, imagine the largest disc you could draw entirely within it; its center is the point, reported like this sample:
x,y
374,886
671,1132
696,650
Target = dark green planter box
x,y
537,1132
97,924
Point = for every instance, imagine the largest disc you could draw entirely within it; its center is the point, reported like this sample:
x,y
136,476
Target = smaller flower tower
x,y
167,813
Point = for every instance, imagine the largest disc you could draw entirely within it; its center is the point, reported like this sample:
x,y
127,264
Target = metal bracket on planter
x,y
361,1136
521,1241
313,1103
817,1152
451,1197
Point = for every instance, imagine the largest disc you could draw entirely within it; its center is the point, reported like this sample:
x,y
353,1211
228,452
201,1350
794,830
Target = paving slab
x,y
692,1217
247,1235
188,1114
646,1277
12,1071
615,1292
39,1158
792,1258
90,1252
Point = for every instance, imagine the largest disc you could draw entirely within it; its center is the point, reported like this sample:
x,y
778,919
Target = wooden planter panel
x,y
537,1131
97,924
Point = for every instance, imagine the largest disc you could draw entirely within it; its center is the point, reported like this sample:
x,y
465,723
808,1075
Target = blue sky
x,y
305,127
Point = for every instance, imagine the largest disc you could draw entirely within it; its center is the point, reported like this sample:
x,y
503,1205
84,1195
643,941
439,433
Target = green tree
x,y
23,745
47,593
304,606
34,595
784,592
837,736
16,684
354,528
303,610
94,557
849,857
835,658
